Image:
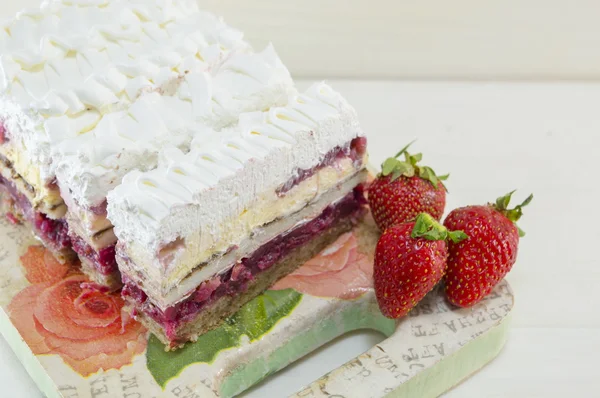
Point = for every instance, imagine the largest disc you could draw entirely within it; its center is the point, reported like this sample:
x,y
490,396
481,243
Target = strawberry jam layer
x,y
3,136
104,260
354,150
237,278
53,233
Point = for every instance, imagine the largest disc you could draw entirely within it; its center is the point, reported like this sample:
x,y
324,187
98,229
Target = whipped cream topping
x,y
190,196
66,58
65,65
91,164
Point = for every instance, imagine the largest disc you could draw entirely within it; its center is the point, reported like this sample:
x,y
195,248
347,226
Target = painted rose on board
x,y
340,271
57,314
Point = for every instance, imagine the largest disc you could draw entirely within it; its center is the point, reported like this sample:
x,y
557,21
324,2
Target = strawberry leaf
x,y
396,174
414,159
410,171
409,168
512,214
457,236
396,168
428,174
389,166
526,201
403,150
420,227
426,227
503,201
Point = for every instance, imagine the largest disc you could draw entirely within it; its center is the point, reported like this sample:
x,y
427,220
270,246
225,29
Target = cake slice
x,y
207,231
66,65
91,164
149,137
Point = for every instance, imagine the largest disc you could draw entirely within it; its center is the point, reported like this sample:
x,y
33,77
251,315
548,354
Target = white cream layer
x,y
191,197
165,295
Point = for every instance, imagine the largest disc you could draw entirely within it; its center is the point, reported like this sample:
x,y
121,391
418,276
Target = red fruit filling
x,y
12,219
236,279
103,260
355,150
100,210
52,232
3,137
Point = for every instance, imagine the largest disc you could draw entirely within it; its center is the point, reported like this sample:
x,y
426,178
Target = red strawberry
x,y
410,259
404,189
478,263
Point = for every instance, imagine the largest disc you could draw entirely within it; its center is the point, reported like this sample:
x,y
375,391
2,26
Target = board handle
x,y
432,350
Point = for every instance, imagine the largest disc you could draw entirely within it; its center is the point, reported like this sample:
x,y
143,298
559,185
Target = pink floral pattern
x,y
60,314
340,271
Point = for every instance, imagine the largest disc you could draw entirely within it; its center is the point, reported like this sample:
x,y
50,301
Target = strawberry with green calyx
x,y
404,189
410,259
477,264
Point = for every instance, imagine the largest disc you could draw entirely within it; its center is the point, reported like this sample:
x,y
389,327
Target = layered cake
x,y
77,105
148,138
206,231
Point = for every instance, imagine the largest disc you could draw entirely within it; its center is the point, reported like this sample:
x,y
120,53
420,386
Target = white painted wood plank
x,y
13,377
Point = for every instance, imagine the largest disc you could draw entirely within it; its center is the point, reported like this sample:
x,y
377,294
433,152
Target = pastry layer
x,y
223,295
164,295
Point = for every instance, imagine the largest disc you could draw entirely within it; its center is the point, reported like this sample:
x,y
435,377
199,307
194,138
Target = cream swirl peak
x,y
225,174
91,164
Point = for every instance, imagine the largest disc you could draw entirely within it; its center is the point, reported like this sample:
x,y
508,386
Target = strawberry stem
x,y
428,228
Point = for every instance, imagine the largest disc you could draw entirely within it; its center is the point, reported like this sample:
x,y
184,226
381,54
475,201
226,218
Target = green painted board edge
x,y
457,367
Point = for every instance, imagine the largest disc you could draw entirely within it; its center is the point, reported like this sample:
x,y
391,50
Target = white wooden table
x,y
492,138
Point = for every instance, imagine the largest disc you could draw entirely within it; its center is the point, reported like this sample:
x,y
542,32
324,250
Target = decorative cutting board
x,y
74,342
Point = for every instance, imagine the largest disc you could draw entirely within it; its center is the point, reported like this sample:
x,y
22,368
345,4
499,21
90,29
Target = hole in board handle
x,y
316,364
